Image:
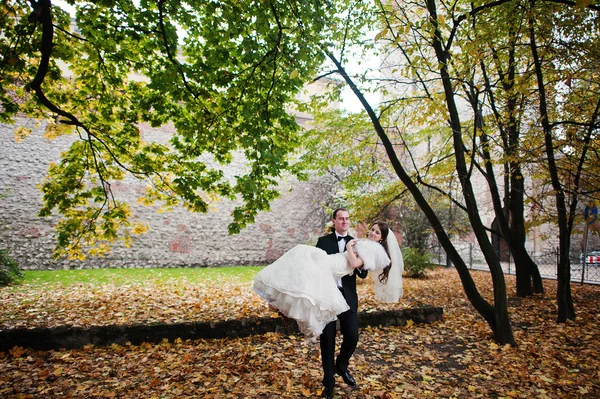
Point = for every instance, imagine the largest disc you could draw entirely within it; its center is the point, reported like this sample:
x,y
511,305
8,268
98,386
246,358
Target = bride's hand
x,y
353,257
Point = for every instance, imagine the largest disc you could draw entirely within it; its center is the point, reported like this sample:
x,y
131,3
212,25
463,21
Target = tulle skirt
x,y
301,285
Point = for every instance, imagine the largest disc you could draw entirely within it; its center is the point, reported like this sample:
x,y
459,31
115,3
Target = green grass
x,y
65,278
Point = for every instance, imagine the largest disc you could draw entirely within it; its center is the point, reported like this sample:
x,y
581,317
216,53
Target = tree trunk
x,y
503,327
524,271
564,299
566,310
528,276
510,216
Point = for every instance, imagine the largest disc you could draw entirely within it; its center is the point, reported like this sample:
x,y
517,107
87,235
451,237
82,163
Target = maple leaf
x,y
17,352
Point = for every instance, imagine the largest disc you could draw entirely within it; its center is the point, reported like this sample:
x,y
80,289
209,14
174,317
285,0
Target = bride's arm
x,y
353,258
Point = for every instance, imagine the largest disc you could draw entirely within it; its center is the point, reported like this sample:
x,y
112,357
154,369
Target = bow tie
x,y
341,238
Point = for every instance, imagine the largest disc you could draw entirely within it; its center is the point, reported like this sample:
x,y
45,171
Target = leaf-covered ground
x,y
454,358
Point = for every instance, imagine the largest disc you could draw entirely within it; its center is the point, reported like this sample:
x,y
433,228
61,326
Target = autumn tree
x,y
471,52
441,60
506,34
568,115
507,104
496,315
497,95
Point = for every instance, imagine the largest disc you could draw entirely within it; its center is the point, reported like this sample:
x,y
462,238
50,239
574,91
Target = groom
x,y
334,243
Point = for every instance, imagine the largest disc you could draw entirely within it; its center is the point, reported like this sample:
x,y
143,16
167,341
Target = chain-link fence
x,y
546,259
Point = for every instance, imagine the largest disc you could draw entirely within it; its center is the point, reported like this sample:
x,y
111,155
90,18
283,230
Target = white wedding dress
x,y
301,283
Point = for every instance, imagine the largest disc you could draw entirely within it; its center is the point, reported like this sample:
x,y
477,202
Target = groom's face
x,y
341,223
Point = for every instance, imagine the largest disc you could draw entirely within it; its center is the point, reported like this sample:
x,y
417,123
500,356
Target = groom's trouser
x,y
349,329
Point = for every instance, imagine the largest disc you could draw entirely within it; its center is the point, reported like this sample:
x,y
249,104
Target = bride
x,y
301,283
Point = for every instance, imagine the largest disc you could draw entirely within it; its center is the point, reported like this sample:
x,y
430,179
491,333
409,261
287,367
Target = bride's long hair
x,y
385,230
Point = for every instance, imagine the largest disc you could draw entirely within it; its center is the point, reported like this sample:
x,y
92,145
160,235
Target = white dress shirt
x,y
341,246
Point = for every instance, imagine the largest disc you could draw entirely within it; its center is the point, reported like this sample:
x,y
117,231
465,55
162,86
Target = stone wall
x,y
178,238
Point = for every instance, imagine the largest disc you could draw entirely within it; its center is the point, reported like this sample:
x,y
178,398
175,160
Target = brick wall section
x,y
178,238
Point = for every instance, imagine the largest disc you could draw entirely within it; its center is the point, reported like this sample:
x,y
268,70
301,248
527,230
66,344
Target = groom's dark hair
x,y
337,210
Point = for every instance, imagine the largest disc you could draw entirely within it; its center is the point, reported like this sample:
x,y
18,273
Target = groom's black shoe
x,y
346,376
327,393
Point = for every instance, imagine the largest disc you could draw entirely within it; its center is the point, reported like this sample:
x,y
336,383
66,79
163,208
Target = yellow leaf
x,y
21,133
381,34
51,131
294,74
140,228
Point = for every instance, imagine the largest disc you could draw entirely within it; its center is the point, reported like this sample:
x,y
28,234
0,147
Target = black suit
x,y
348,320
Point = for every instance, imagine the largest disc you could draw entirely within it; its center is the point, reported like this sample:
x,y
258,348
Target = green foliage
x,y
222,73
9,269
416,263
345,145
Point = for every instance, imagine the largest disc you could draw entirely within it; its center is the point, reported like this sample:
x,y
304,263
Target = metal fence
x,y
547,261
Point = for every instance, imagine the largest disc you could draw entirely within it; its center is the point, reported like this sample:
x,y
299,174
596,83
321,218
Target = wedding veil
x,y
390,291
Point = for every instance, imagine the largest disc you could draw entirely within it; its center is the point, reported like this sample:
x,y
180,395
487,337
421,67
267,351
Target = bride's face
x,y
375,233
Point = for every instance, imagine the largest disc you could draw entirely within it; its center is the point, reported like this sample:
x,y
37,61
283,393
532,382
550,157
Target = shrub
x,y
9,268
415,262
